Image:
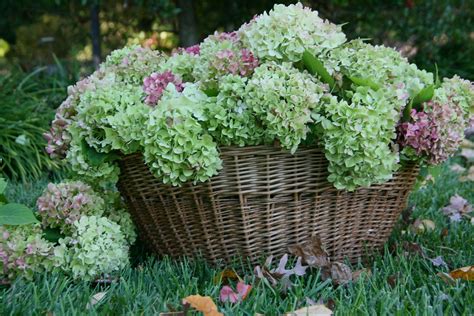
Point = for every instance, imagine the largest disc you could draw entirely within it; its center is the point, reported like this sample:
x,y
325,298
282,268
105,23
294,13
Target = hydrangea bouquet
x,y
286,78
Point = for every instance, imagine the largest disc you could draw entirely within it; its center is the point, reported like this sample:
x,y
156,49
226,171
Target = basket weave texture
x,y
262,201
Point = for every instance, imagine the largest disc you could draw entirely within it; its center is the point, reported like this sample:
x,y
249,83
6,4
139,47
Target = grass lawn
x,y
399,284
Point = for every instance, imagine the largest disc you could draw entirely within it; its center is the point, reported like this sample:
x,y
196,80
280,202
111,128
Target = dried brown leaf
x,y
446,278
419,226
315,310
464,273
392,280
340,273
413,248
225,275
203,304
95,299
469,176
444,233
312,252
356,275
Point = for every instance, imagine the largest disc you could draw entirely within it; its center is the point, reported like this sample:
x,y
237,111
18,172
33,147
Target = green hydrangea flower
x,y
96,247
133,63
287,31
457,91
283,98
112,118
382,65
229,119
358,138
177,148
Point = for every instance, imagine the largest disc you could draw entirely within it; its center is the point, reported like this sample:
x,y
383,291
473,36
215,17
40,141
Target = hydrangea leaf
x,y
364,82
16,214
52,234
3,185
426,94
316,67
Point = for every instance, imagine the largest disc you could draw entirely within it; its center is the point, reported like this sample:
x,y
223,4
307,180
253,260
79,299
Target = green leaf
x,y
437,80
3,185
426,94
211,92
96,158
316,67
16,214
364,82
3,199
407,111
52,234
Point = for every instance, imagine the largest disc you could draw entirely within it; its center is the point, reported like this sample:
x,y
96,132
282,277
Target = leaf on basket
x,y
464,273
312,252
203,304
315,310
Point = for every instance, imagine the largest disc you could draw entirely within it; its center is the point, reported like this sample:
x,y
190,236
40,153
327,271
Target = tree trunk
x,y
187,24
95,34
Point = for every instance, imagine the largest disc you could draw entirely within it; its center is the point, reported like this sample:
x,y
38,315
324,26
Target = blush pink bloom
x,y
155,84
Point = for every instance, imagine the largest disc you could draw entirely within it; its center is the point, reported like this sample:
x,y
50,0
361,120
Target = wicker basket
x,y
262,201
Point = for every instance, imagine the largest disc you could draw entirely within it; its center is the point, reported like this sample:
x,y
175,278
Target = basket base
x,y
263,201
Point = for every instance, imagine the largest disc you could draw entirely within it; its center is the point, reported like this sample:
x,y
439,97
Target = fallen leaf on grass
x,y
95,299
446,278
315,310
203,304
457,207
280,274
438,261
465,273
340,273
444,233
356,275
468,153
413,248
392,280
228,294
226,275
312,252
457,168
314,255
421,225
469,176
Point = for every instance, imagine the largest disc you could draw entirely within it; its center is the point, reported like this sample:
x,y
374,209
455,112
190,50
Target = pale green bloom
x,y
96,247
176,147
287,31
283,98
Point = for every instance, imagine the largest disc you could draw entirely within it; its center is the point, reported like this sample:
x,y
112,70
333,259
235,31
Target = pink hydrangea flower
x,y
241,62
435,132
192,50
155,84
62,204
58,137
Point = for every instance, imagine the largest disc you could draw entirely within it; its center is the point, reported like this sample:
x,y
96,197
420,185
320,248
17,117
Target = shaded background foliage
x,y
50,44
